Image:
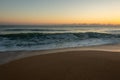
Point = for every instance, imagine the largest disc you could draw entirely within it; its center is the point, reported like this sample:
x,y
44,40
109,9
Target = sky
x,y
59,11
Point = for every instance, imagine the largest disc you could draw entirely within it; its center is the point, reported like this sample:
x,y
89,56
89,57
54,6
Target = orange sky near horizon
x,y
60,21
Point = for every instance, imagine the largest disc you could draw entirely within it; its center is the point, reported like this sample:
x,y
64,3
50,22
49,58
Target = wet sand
x,y
8,56
66,65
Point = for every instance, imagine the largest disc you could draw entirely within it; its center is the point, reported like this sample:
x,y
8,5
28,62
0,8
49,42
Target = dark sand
x,y
71,65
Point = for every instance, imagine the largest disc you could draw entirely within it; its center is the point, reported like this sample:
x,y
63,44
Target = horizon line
x,y
68,24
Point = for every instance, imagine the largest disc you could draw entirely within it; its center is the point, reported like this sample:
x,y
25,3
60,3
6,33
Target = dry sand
x,y
69,65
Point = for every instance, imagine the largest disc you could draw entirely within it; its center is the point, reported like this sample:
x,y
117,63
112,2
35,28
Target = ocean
x,y
44,37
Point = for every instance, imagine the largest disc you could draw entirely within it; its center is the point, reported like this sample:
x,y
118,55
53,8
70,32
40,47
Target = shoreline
x,y
8,56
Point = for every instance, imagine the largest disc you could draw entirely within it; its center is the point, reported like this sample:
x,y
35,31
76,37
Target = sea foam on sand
x,y
6,57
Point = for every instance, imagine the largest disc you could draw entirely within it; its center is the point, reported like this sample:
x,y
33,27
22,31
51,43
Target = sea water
x,y
44,37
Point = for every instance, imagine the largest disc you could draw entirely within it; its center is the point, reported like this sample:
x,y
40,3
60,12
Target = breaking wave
x,y
23,41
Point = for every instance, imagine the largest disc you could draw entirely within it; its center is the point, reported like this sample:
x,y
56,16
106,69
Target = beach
x,y
60,40
94,63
